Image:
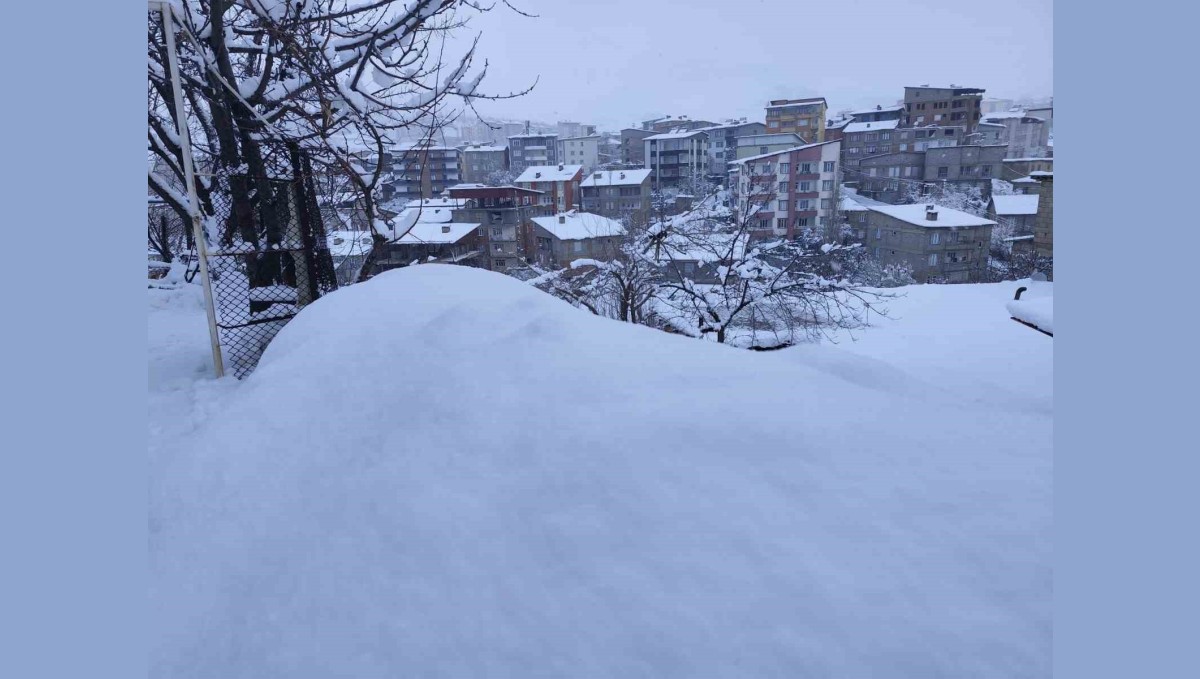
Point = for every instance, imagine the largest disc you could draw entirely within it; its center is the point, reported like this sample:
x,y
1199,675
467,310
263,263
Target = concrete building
x,y
617,193
505,234
633,151
805,117
1041,184
888,177
965,164
1027,136
722,144
558,184
562,238
480,160
1019,212
943,106
677,158
423,170
835,128
878,114
583,151
990,134
937,243
759,144
532,148
790,191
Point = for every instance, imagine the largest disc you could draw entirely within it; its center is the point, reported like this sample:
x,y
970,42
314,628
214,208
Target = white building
x,y
787,192
1027,136
583,151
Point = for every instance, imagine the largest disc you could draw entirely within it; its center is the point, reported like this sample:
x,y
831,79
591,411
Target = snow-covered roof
x,y
838,124
799,102
946,217
616,178
348,243
436,202
548,173
431,232
583,136
1026,160
533,135
676,134
872,126
1016,204
1014,238
848,204
580,225
775,153
885,109
1041,173
484,148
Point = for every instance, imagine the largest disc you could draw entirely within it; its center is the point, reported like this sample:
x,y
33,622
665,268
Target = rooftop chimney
x,y
562,219
622,175
598,175
930,213
445,229
560,166
537,175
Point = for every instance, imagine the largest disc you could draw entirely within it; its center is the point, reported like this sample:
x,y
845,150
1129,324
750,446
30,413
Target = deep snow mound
x,y
444,472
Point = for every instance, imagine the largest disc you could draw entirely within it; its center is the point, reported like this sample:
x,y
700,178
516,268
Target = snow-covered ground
x,y
444,472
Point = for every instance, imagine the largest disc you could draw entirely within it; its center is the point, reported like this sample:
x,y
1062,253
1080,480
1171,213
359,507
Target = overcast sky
x,y
615,62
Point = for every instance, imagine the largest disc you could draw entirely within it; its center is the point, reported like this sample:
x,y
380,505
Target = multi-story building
x,y
1016,211
583,151
422,170
722,143
805,117
481,160
788,192
558,184
633,151
942,106
1027,136
965,164
863,140
760,144
990,133
668,123
835,128
532,148
887,177
937,243
617,193
505,216
1016,168
567,236
1040,183
677,158
878,114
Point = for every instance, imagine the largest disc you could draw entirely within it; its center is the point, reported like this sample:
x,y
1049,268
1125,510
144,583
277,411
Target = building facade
x,y
863,140
937,243
565,237
677,158
558,184
583,151
1016,168
617,194
633,151
760,144
943,106
878,114
888,177
805,117
788,192
505,218
1027,136
529,149
1041,184
965,164
479,161
423,171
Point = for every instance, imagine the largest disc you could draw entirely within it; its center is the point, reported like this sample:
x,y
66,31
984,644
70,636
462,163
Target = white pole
x,y
190,177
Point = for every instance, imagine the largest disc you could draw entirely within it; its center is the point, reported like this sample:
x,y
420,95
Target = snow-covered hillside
x,y
444,472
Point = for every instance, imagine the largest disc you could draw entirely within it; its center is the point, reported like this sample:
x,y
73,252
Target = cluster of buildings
x,y
548,195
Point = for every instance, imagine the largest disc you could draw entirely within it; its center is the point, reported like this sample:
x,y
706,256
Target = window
x,y
829,165
933,259
893,172
577,246
873,172
764,224
783,186
501,263
497,247
937,117
763,149
805,168
804,187
987,170
826,184
802,204
920,119
497,231
854,151
826,203
943,172
949,132
878,235
934,238
872,136
904,147
782,206
824,221
957,116
876,252
802,222
958,103
885,135
784,168
781,223
862,217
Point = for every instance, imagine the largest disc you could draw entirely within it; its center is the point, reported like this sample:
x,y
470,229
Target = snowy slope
x,y
492,483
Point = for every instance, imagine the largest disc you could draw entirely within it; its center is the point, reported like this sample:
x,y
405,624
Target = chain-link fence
x,y
272,259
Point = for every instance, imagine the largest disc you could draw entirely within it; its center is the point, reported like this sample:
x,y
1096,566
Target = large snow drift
x,y
444,472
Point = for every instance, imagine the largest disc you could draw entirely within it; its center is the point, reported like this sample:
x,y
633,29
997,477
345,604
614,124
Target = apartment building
x,y
1041,184
668,123
633,151
479,161
583,151
532,148
835,128
617,193
789,191
938,244
887,177
558,184
567,236
1027,136
760,144
677,158
422,170
965,164
1017,211
943,106
805,117
878,114
505,218
722,143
